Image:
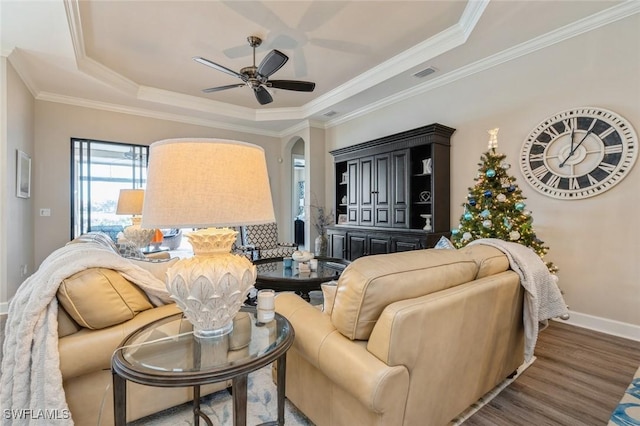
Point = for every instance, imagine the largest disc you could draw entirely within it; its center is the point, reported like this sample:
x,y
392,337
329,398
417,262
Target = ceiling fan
x,y
258,77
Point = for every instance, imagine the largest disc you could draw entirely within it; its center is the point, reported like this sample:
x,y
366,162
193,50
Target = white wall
x,y
17,213
595,242
56,124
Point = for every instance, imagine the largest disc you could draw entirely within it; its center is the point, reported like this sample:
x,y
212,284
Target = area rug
x,y
262,406
627,413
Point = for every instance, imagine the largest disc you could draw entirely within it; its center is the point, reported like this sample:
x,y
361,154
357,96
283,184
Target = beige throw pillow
x,y
98,297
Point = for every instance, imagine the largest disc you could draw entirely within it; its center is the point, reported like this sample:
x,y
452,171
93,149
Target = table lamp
x,y
209,184
130,201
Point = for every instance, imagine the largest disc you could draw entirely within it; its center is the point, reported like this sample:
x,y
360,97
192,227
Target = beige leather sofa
x,y
98,309
411,338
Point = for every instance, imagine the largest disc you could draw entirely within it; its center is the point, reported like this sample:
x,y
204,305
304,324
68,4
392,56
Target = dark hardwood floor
x,y
577,379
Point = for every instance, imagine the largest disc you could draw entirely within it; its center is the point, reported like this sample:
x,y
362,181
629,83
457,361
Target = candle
x,y
266,305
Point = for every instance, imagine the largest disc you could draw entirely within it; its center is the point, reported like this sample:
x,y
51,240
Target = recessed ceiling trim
x,y
144,112
442,42
167,97
574,29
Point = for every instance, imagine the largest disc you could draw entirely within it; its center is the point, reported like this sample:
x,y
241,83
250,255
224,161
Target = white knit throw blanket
x,y
31,377
543,299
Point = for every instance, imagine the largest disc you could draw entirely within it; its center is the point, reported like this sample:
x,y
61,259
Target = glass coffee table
x,y
272,274
165,353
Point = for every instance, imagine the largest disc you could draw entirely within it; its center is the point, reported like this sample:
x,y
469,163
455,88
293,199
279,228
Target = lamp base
x,y
218,332
211,286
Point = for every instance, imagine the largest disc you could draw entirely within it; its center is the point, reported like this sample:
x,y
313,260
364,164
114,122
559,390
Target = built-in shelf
x,y
380,179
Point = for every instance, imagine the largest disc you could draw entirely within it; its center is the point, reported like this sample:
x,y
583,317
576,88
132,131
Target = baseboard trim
x,y
604,325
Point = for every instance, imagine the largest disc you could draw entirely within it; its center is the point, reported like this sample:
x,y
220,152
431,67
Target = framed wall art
x,y
23,175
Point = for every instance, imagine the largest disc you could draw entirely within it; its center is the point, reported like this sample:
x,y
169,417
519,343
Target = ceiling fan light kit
x,y
257,77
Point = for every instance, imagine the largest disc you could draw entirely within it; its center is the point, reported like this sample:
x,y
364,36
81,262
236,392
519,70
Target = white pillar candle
x,y
266,306
266,299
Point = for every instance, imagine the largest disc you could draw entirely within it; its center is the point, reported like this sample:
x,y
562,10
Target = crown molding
x,y
574,29
167,97
17,62
442,42
303,125
144,112
438,44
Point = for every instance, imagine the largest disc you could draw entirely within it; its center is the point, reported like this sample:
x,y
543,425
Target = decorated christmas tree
x,y
495,206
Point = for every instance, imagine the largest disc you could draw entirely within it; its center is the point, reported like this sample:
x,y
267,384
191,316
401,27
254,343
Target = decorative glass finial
x,y
493,140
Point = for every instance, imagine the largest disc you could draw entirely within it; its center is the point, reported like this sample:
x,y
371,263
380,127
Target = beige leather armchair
x,y
411,338
98,309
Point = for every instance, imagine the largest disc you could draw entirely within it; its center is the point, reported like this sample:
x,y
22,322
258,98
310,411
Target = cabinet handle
x,y
375,192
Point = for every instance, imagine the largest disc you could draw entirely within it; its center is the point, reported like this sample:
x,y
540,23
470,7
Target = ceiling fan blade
x,y
238,51
319,13
297,85
272,63
219,67
217,89
262,95
342,46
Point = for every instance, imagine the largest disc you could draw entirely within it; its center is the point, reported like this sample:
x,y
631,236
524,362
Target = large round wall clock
x,y
579,153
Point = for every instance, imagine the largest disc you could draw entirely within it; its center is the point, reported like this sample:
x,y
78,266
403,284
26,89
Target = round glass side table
x,y
165,353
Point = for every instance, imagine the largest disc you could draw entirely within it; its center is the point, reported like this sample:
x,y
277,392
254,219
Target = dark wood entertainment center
x,y
385,187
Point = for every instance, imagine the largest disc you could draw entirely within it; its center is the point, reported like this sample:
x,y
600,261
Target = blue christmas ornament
x,y
506,223
472,201
455,231
519,206
467,216
488,193
490,173
485,213
511,188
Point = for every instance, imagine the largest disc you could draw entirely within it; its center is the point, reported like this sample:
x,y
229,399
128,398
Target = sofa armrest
x,y
345,362
91,350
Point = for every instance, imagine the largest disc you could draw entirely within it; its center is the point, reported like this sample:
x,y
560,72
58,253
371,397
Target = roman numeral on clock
x,y
609,168
553,181
613,149
539,171
606,132
573,183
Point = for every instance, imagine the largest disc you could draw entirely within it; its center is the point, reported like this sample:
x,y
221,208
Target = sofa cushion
x,y
490,260
371,283
98,297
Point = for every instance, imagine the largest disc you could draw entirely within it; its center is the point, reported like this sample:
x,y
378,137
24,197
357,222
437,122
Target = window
x,y
99,170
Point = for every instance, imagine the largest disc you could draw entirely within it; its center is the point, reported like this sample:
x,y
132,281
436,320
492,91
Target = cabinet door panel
x,y
382,186
356,245
400,192
337,244
352,191
379,245
366,191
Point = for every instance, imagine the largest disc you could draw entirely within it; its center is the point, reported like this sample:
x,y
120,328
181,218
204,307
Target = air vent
x,y
330,113
425,72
